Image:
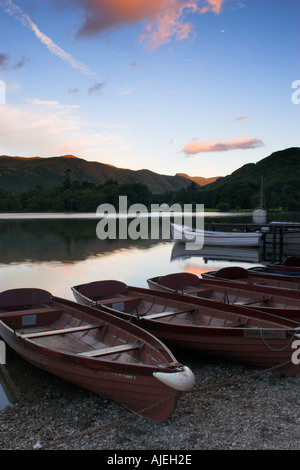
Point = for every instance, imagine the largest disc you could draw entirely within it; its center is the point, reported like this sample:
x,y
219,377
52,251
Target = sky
x,y
199,87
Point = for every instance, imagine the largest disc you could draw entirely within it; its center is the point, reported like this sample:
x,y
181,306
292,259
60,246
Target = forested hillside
x,y
239,191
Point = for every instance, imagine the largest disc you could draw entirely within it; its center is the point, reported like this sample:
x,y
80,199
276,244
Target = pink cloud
x,y
194,146
162,18
212,5
101,15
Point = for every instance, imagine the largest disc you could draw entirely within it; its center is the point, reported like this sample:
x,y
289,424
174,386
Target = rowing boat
x,y
289,266
255,277
267,299
226,331
101,353
185,234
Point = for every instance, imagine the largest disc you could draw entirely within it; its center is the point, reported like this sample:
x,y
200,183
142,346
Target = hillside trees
x,y
75,196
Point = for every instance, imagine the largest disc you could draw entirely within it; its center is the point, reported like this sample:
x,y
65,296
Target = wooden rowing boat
x,y
223,330
185,234
267,299
289,266
254,277
101,353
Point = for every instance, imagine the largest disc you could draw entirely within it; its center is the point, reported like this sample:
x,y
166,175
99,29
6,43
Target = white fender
x,y
182,381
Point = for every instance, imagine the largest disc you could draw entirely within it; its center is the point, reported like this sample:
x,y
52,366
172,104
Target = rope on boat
x,y
137,413
296,332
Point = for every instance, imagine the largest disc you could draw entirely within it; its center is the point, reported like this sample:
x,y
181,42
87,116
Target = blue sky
x,y
176,86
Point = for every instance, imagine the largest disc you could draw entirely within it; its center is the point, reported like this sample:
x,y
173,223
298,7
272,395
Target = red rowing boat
x,y
101,353
283,303
255,276
223,330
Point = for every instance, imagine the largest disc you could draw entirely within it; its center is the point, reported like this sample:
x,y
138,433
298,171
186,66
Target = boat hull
x,y
255,351
125,385
130,383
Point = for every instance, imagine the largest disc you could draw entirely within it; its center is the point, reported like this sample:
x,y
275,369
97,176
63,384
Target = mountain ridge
x,y
25,173
281,166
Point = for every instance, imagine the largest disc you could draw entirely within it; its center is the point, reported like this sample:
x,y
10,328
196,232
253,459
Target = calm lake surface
x,y
55,252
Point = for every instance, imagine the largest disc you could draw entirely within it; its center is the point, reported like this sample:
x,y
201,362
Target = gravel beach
x,y
232,407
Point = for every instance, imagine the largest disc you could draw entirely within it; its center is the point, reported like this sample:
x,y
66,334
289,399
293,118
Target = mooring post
x,y
280,243
274,242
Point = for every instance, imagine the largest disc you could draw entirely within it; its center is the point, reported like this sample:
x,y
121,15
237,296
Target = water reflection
x,y
209,253
57,240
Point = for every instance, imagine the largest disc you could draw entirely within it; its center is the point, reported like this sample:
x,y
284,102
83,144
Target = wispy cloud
x,y
163,19
194,147
17,13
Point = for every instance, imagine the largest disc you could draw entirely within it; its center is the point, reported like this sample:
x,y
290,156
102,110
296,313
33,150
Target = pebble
x,y
258,413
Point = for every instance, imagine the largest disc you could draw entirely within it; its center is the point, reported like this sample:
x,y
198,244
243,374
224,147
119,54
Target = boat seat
x,y
97,289
178,280
203,292
253,302
62,331
111,350
33,311
114,300
291,261
165,314
232,272
22,297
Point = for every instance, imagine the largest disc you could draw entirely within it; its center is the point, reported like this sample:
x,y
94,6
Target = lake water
x,y
55,252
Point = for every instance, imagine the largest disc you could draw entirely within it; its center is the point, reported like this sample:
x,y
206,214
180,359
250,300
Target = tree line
x,y
75,196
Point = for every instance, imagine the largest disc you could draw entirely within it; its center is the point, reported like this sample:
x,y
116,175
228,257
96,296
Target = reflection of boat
x,y
267,299
101,353
255,277
251,255
227,331
184,234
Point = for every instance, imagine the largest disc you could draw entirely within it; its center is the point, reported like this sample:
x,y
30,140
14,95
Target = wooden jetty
x,y
275,234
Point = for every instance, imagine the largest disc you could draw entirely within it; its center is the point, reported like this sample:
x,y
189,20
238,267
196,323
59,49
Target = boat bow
x,y
181,380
